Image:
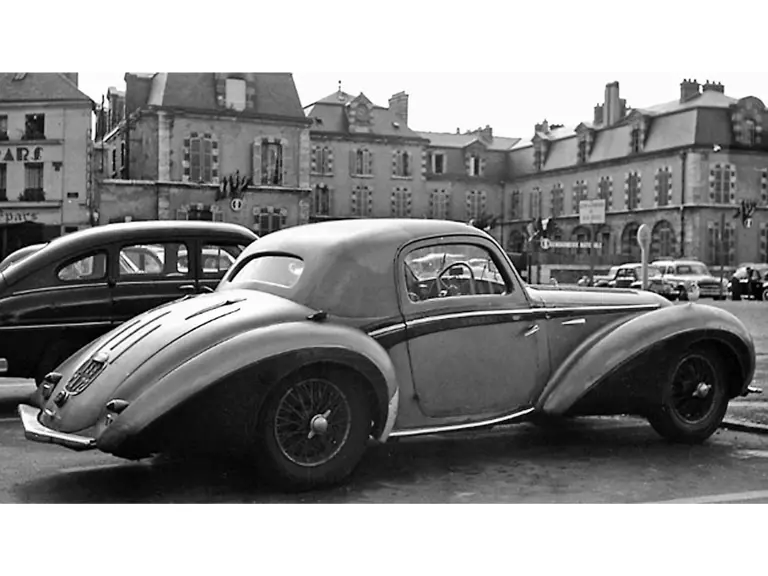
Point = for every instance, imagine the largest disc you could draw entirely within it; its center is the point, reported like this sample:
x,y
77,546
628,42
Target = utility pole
x,y
721,243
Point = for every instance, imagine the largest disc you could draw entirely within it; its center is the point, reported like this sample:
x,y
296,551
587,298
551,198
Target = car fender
x,y
315,341
617,343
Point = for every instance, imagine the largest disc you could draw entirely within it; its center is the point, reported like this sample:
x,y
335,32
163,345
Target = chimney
x,y
486,133
458,130
116,101
598,120
612,106
137,88
713,87
543,127
399,105
688,89
73,76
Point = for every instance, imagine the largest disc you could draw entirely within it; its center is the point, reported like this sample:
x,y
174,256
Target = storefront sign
x,y
21,154
8,216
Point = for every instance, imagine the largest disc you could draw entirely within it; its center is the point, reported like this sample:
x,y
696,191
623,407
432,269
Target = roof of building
x,y
330,116
38,87
274,94
703,119
449,140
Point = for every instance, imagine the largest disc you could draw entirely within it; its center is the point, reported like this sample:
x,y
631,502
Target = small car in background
x,y
630,276
75,288
602,281
680,272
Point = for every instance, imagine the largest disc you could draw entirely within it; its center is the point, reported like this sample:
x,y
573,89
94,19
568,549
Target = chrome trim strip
x,y
459,427
522,312
62,287
36,432
98,324
532,330
577,322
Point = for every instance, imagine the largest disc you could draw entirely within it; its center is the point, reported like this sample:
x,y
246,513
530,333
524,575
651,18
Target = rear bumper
x,y
36,432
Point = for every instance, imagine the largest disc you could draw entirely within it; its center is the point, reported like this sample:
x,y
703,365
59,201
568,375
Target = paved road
x,y
595,460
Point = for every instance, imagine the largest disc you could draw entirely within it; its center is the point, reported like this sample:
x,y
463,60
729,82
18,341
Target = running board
x,y
460,427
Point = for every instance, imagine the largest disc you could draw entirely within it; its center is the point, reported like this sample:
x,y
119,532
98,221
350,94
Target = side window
x,y
217,258
140,261
85,268
450,270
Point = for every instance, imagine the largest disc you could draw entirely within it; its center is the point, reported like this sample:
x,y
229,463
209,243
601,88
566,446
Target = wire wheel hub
x,y
692,389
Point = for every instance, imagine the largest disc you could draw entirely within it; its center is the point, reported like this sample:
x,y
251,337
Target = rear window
x,y
283,271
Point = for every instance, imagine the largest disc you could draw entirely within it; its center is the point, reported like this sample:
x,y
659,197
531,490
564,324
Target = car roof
x,y
76,242
349,264
670,261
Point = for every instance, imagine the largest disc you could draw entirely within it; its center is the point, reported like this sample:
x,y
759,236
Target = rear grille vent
x,y
85,376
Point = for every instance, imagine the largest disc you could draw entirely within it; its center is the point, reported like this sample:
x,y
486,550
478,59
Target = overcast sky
x,y
501,64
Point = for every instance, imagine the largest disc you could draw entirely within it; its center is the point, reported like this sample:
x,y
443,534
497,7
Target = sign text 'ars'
x,y
21,154
17,216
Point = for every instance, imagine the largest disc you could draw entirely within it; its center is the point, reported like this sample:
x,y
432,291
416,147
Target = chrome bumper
x,y
3,365
36,432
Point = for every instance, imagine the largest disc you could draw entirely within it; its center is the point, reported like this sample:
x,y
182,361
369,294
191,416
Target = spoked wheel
x,y
694,398
313,429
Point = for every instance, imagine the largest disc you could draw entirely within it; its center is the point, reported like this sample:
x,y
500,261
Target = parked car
x,y
77,287
630,276
323,335
680,272
602,281
757,287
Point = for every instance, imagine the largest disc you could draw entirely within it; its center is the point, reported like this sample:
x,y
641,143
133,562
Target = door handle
x,y
207,289
187,288
577,322
532,330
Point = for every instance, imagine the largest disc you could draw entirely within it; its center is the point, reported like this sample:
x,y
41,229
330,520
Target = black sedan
x,y
61,296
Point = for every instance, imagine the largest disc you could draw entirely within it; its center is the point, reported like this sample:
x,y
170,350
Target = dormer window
x,y
750,132
236,94
438,163
635,140
582,157
538,158
475,165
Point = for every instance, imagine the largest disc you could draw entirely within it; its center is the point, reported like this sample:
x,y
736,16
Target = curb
x,y
744,426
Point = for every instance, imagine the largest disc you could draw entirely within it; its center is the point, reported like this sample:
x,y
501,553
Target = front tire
x,y
313,429
694,397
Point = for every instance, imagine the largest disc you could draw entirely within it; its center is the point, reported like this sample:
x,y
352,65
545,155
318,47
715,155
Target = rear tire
x,y
313,429
694,397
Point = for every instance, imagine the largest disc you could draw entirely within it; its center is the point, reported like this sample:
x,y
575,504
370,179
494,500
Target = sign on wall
x,y
21,154
592,212
18,216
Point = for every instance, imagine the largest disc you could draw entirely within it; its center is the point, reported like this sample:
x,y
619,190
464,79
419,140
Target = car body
x,y
79,286
759,283
323,335
20,254
630,276
682,272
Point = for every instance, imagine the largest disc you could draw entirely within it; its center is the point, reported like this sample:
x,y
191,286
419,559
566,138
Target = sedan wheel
x,y
694,398
313,430
765,294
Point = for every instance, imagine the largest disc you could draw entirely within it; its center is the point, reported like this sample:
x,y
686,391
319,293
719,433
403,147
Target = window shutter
x,y
368,157
353,200
352,162
214,159
330,201
329,166
447,194
184,161
395,163
764,189
393,200
315,162
288,176
763,242
256,163
369,201
732,187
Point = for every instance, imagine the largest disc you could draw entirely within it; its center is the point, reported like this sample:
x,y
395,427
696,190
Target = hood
x,y
556,297
126,361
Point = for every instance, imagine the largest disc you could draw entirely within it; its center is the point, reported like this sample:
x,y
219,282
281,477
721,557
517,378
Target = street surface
x,y
599,460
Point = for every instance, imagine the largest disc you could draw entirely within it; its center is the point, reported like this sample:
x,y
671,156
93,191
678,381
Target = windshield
x,y
692,269
282,271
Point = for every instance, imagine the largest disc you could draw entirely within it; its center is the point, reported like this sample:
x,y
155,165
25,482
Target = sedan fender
x,y
614,346
305,342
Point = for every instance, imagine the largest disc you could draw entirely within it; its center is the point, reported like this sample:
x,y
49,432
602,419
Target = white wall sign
x,y
592,212
236,204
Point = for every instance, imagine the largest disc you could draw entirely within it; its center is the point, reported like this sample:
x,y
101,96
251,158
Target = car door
x,y
471,354
213,259
146,274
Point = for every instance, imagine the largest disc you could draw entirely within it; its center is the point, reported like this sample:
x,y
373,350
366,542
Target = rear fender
x,y
617,344
285,348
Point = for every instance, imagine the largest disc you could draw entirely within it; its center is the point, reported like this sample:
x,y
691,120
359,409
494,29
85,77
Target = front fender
x,y
326,342
618,343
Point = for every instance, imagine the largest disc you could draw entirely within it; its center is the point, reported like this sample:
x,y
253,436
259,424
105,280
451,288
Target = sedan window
x,y
451,270
152,260
86,268
218,258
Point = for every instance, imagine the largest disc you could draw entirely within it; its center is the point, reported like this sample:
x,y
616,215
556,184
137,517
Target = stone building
x,y
466,173
682,167
218,146
45,147
365,160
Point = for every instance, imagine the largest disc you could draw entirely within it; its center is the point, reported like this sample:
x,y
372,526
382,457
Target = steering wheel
x,y
441,285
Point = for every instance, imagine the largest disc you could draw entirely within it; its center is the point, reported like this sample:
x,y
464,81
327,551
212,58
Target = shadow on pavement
x,y
432,469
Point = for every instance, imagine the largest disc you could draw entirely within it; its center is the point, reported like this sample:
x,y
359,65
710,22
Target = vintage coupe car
x,y
75,288
681,272
322,336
